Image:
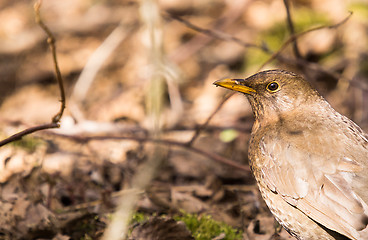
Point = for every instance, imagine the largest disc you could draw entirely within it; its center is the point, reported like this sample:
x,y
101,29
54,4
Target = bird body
x,y
310,162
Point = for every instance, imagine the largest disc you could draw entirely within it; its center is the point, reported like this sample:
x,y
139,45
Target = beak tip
x,y
234,84
222,81
216,83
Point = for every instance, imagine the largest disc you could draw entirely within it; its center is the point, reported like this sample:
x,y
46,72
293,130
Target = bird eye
x,y
273,87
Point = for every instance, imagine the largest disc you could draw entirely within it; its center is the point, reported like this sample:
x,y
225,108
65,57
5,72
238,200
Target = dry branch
x,y
292,30
51,41
293,37
210,155
55,120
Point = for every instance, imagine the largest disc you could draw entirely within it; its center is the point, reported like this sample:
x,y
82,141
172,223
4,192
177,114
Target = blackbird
x,y
309,161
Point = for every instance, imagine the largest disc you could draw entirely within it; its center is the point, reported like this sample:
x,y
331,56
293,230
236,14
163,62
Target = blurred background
x,y
131,68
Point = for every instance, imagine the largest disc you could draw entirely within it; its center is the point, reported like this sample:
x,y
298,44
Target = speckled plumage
x,y
310,162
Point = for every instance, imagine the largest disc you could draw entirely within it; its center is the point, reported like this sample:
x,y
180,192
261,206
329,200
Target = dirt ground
x,y
136,71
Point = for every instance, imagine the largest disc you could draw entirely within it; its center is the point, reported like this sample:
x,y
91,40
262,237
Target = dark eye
x,y
273,86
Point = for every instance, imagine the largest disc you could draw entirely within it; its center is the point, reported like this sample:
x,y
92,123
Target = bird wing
x,y
315,184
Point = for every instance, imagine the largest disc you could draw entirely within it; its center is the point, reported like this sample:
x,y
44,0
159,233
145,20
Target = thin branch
x,y
292,30
28,131
204,125
293,37
55,120
216,34
51,41
210,155
232,11
224,37
264,48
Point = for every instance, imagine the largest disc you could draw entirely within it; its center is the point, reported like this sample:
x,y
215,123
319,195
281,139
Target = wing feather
x,y
324,196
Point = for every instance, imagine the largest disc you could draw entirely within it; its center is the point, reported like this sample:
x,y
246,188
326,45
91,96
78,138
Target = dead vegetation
x,y
143,121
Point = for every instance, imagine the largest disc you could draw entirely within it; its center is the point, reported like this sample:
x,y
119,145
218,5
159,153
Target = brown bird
x,y
310,162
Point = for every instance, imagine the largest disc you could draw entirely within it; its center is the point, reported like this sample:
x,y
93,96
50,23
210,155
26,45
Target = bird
x,y
309,161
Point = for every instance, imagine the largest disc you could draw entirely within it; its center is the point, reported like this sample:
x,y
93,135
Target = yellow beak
x,y
234,84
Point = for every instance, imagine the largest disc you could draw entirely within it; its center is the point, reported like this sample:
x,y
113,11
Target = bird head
x,y
274,92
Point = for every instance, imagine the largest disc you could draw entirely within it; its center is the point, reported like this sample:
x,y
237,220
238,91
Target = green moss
x,y
205,228
138,217
228,135
202,227
277,34
28,143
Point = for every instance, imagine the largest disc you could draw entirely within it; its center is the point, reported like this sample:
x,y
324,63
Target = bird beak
x,y
234,84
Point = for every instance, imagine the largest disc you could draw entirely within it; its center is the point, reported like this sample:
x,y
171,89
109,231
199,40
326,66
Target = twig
x,y
297,35
204,125
55,120
264,48
27,131
51,41
218,35
210,155
233,10
224,37
292,30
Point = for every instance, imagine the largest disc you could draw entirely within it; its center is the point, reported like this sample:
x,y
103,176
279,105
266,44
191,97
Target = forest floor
x,y
132,76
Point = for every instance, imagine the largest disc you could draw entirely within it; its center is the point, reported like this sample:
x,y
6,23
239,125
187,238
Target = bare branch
x,y
264,48
210,155
218,35
293,37
204,125
292,30
28,131
51,41
55,120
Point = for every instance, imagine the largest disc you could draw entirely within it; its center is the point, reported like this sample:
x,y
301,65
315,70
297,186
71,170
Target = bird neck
x,y
270,112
